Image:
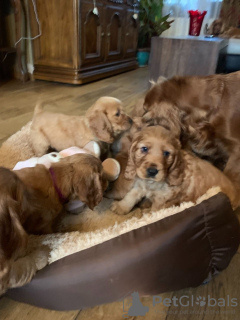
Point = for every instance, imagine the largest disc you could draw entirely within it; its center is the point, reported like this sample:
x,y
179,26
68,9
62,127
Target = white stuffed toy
x,y
92,147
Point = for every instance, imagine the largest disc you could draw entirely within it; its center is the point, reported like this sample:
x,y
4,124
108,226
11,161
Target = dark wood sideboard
x,y
78,46
7,52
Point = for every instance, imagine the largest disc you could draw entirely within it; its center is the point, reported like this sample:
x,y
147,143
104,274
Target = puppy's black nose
x,y
152,172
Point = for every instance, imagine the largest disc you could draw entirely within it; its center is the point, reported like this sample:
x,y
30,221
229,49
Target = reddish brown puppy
x,y
207,110
167,175
31,200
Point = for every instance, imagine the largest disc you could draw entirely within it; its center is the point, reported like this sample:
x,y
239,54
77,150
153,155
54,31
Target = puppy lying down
x,y
104,121
31,202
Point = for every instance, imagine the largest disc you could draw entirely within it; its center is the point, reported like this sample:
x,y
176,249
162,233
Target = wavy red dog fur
x,y
30,202
206,110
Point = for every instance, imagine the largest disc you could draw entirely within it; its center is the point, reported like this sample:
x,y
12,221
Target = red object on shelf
x,y
196,20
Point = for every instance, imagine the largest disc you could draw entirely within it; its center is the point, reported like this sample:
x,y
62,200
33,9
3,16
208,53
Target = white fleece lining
x,y
64,244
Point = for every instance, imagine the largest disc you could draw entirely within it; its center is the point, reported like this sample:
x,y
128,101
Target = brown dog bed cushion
x,y
111,256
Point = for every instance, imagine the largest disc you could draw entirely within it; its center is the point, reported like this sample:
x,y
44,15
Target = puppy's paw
x,y
118,208
41,256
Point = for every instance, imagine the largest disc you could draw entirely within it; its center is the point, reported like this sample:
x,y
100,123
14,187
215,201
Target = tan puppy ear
x,y
130,171
176,168
14,238
101,126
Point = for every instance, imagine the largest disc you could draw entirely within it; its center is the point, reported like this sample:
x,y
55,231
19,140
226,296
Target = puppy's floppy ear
x,y
13,237
89,189
101,126
130,171
175,170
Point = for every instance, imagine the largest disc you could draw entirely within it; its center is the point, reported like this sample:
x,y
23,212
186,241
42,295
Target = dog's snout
x,y
130,120
152,172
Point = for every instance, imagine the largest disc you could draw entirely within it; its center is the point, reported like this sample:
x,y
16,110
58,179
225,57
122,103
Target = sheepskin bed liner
x,y
110,255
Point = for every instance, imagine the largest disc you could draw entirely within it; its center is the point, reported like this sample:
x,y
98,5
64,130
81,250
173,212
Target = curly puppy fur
x,y
208,112
30,204
104,121
167,175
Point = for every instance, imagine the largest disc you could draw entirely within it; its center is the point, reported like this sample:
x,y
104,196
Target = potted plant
x,y
152,23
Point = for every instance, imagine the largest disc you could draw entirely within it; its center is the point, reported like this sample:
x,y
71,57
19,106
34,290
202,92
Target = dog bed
x,y
111,256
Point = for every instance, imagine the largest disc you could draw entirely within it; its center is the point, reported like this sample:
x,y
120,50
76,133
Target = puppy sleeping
x,y
31,201
167,175
104,121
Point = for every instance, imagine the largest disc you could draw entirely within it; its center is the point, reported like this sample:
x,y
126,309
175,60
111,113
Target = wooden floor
x,y
17,101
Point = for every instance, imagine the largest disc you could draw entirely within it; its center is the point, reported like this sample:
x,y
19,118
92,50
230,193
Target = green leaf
x,y
151,20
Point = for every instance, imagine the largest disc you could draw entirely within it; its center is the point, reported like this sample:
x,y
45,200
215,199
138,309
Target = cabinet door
x,y
114,32
131,35
92,36
56,46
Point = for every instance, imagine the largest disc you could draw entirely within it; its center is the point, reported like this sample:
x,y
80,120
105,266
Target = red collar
x,y
61,196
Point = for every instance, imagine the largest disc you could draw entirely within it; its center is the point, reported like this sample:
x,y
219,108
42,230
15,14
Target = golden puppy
x,y
167,175
31,200
104,121
120,187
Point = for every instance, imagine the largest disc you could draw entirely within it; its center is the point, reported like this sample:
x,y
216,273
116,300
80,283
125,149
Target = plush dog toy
x,y
111,167
92,147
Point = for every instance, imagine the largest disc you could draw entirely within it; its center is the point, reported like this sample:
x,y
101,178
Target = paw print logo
x,y
201,301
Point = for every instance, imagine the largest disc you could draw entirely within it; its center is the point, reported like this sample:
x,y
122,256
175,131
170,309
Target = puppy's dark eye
x,y
144,149
166,154
118,113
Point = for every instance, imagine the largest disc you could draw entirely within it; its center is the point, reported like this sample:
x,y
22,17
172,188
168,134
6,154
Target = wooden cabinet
x,y
7,53
114,32
131,35
78,46
92,33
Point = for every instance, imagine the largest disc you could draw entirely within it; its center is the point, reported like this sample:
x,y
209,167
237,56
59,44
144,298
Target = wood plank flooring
x,y
17,101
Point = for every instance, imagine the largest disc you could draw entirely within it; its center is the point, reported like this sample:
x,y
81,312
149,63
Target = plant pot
x,y
143,57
